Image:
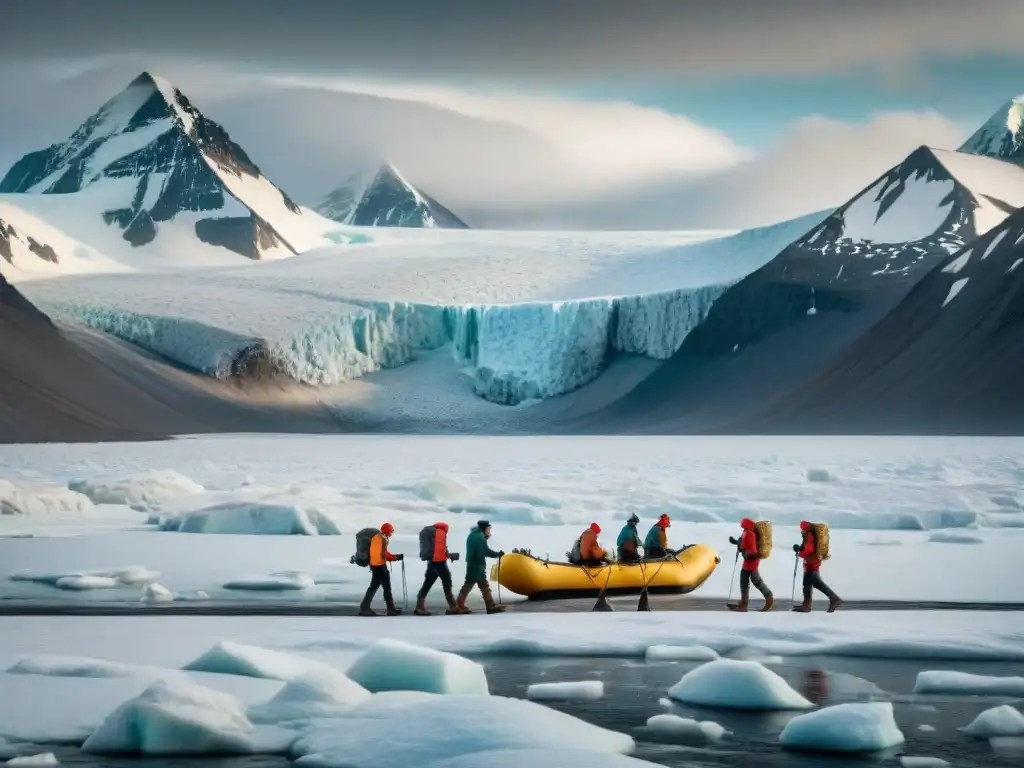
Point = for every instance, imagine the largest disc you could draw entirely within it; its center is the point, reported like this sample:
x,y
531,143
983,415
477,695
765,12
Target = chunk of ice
x,y
854,727
394,665
966,684
685,728
230,658
583,690
997,721
732,684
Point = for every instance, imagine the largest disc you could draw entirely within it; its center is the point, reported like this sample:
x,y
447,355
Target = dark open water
x,y
633,690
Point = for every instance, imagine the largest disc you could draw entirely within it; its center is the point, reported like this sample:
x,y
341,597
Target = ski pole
x,y
498,579
733,577
796,564
405,589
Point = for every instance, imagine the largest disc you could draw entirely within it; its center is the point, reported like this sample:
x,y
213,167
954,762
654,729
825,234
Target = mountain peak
x,y
1002,135
382,197
158,157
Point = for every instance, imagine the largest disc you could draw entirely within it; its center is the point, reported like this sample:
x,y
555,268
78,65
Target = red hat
x,y
387,529
664,521
442,526
804,525
595,527
747,524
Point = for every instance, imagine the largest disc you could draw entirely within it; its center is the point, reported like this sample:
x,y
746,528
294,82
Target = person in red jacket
x,y
438,568
750,573
380,576
812,577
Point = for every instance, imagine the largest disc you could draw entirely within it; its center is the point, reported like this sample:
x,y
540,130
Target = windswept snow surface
x,y
918,211
527,315
540,493
998,186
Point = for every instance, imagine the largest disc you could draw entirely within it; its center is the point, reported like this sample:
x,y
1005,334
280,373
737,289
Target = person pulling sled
x,y
813,549
372,551
477,553
434,551
754,544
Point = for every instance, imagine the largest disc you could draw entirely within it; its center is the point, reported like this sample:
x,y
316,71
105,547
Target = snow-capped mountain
x,y
1002,135
947,359
383,198
148,163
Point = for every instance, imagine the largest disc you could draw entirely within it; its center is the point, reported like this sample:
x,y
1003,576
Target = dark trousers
x,y
593,563
628,556
753,577
813,581
380,576
655,552
436,571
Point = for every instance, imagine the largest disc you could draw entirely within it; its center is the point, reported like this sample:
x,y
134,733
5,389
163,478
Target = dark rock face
x,y
247,236
41,250
949,359
387,201
172,171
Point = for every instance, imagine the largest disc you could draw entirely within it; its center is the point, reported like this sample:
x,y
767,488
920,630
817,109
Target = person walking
x,y
477,552
380,576
434,543
808,551
750,573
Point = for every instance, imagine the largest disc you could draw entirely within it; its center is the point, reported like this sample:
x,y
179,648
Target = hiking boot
x,y
460,604
392,610
495,608
741,606
421,607
769,601
833,603
367,612
804,607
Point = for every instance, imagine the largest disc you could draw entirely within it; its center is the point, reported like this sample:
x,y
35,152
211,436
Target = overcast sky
x,y
567,113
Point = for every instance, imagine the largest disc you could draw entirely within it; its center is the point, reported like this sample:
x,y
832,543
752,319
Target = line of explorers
x,y
754,545
372,551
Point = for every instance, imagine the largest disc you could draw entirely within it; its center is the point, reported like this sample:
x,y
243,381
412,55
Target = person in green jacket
x,y
477,552
628,543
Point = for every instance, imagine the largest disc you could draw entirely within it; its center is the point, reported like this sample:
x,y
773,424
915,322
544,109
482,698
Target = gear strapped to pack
x,y
821,543
763,534
363,539
427,537
575,555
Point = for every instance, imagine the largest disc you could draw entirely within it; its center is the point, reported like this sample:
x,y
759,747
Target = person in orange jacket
x,y
380,576
807,550
591,551
438,568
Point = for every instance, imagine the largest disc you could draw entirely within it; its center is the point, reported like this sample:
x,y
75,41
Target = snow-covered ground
x,y
527,315
911,519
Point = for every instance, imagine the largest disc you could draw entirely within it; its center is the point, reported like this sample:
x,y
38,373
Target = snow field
x,y
528,315
918,212
894,506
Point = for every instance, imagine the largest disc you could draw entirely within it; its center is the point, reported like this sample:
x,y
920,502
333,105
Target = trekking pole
x,y
796,564
498,579
732,578
405,589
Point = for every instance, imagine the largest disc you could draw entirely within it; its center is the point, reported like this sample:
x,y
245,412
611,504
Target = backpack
x,y
427,537
576,553
821,547
363,539
763,532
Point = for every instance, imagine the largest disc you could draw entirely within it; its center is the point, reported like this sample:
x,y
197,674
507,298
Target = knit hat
x,y
483,525
633,519
595,527
664,521
804,525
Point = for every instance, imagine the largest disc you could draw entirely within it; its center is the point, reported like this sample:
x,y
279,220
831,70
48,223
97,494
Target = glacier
x,y
512,353
526,316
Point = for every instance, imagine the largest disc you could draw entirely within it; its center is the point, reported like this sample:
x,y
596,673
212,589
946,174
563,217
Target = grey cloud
x,y
527,39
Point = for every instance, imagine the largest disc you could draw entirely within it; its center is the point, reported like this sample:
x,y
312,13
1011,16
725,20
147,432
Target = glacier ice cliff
x,y
512,352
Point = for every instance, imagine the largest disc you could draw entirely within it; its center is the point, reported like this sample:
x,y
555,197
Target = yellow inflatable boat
x,y
539,579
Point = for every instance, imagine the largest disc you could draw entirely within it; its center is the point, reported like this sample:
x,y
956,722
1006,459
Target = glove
x,y
733,541
796,548
453,556
501,553
399,557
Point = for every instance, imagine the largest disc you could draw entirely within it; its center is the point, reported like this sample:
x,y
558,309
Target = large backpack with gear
x,y
363,539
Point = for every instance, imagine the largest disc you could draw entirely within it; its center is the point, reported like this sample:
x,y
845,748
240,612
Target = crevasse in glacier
x,y
512,352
